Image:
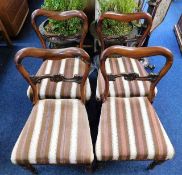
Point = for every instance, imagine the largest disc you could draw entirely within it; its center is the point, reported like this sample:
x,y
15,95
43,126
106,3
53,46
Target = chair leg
x,y
30,168
89,169
154,164
93,167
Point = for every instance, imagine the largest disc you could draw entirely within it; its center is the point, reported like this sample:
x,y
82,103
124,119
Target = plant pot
x,y
127,40
57,41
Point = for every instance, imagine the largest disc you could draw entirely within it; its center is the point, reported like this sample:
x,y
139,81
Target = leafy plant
x,y
68,27
112,27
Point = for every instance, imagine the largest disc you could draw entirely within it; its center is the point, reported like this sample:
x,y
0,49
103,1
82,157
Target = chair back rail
x,y
60,16
52,54
124,18
137,53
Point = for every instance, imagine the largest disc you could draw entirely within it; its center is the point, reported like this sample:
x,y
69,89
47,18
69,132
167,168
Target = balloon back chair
x,y
68,67
57,130
129,128
121,87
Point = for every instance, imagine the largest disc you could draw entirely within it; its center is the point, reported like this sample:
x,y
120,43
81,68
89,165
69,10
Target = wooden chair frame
x,y
5,34
136,53
53,54
59,16
125,18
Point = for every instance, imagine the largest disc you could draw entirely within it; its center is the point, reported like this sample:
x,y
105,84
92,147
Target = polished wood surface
x,y
5,34
136,53
124,18
52,54
60,16
178,32
13,14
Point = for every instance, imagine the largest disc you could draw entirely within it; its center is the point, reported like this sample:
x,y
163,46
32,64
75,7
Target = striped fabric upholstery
x,y
130,129
54,134
52,90
121,87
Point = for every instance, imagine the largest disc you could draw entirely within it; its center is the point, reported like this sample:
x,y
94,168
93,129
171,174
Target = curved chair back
x,y
136,53
53,54
128,18
60,16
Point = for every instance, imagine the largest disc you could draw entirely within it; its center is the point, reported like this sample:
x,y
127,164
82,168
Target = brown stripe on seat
x,y
143,73
45,134
51,87
65,133
81,69
60,148
42,68
82,127
106,137
123,141
118,85
139,130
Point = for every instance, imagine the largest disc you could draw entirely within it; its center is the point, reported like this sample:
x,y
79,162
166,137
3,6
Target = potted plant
x,y
115,31
62,32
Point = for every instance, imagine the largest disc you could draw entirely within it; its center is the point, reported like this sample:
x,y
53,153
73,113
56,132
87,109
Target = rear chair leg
x,y
92,168
89,169
30,168
154,164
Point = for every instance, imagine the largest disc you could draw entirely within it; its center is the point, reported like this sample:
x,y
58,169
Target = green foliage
x,y
112,27
68,27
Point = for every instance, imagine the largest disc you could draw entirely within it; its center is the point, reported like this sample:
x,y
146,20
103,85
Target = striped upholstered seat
x,y
52,90
130,129
121,87
56,132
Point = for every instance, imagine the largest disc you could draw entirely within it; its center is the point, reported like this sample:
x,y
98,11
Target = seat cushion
x,y
130,129
56,132
121,87
52,90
